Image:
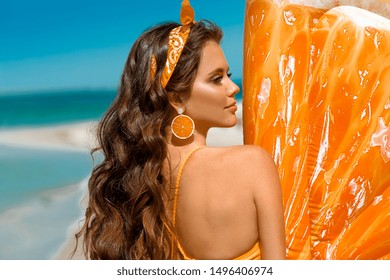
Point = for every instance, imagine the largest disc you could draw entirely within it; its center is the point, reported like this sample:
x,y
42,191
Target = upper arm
x,y
267,196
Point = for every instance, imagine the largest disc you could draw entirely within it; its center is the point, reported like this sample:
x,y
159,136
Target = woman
x,y
160,192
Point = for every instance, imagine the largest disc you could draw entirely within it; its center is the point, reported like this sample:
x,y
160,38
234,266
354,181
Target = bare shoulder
x,y
249,160
256,171
252,152
249,156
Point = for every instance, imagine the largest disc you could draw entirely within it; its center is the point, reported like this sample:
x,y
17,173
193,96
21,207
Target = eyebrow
x,y
218,70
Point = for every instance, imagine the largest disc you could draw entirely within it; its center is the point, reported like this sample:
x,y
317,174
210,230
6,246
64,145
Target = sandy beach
x,y
80,137
76,136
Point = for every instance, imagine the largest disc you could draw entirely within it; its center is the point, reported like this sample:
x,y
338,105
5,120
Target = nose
x,y
232,89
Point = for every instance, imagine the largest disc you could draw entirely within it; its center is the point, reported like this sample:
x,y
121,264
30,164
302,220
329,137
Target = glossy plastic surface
x,y
317,97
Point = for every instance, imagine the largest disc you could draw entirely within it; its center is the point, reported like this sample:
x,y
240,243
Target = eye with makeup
x,y
218,78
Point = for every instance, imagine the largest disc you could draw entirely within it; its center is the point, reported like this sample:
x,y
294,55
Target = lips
x,y
231,105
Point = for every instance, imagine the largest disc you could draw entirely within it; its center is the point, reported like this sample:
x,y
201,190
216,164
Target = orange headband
x,y
177,39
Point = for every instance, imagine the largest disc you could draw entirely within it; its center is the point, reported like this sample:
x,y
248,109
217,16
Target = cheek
x,y
204,100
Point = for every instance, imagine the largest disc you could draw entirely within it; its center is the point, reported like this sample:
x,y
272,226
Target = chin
x,y
231,123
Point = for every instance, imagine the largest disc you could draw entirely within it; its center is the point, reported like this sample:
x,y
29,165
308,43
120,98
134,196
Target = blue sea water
x,y
27,172
48,108
34,219
24,171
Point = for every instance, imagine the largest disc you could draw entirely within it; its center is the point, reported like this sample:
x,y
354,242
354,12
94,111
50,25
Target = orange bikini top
x,y
252,254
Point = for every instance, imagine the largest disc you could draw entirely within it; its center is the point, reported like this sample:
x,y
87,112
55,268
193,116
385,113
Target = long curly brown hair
x,y
129,190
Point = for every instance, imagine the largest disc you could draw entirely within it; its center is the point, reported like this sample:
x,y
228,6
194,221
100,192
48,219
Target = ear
x,y
176,102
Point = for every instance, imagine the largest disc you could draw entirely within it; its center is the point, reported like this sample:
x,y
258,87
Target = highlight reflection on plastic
x,y
317,97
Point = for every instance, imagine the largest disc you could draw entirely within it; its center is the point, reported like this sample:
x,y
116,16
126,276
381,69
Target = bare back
x,y
217,215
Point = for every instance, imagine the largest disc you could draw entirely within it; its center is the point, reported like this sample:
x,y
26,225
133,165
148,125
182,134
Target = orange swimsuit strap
x,y
174,211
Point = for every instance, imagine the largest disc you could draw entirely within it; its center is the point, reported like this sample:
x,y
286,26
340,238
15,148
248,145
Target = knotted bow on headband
x,y
177,39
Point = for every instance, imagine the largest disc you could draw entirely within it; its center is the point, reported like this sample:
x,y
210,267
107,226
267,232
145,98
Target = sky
x,y
83,44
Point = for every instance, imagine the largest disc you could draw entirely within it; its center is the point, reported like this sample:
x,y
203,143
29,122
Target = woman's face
x,y
212,102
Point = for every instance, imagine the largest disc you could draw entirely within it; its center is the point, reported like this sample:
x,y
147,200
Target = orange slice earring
x,y
182,126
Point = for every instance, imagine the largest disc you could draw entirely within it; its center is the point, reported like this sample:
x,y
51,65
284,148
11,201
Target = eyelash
x,y
218,79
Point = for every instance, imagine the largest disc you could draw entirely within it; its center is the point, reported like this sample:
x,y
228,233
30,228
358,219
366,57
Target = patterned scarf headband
x,y
177,39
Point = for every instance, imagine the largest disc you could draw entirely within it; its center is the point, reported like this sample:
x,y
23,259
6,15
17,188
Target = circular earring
x,y
182,126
